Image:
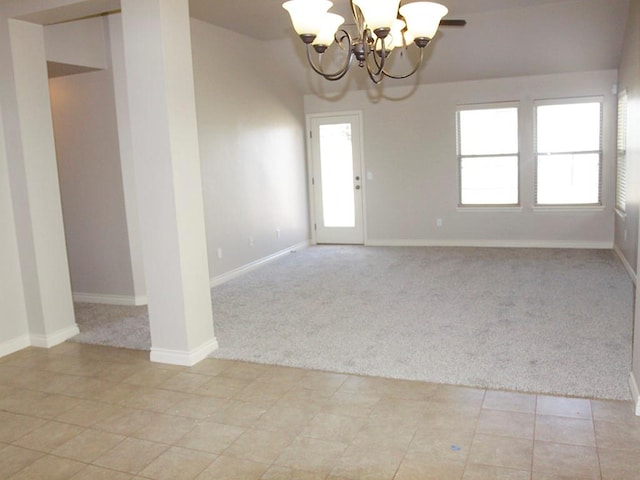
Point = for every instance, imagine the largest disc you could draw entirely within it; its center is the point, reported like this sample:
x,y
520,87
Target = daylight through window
x,y
568,153
488,155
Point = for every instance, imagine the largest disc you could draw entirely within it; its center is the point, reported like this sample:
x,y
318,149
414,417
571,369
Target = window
x,y
568,152
488,155
621,170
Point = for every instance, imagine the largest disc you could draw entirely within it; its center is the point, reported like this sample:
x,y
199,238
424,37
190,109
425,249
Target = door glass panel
x,y
338,198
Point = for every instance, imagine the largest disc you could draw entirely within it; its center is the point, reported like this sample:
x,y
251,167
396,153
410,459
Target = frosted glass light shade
x,y
378,13
394,39
423,18
396,35
330,24
306,15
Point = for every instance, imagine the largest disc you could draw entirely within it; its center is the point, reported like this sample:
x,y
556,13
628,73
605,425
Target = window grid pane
x,y
489,132
489,180
569,154
569,128
488,156
569,179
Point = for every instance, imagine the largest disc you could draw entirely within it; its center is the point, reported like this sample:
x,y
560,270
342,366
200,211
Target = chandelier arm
x,y
337,75
376,79
406,75
383,56
358,16
375,74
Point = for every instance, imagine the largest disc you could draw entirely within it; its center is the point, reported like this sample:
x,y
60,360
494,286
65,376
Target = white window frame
x,y
536,153
460,157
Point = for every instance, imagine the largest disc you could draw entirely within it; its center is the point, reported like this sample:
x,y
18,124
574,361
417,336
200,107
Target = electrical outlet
x,y
251,241
438,222
219,253
277,233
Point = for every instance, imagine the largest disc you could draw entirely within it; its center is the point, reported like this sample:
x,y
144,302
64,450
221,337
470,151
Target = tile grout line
x,y
475,431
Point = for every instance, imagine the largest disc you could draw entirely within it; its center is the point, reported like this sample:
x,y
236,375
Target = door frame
x,y
310,170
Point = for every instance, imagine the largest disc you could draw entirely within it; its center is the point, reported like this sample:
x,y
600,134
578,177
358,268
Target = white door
x,y
337,179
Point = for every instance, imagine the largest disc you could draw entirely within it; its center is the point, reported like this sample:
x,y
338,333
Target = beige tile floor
x,y
84,412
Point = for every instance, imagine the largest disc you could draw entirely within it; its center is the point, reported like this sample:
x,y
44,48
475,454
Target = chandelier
x,y
383,26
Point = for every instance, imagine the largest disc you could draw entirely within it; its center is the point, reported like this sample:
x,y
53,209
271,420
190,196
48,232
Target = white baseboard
x,y
128,300
626,264
635,392
108,299
225,277
55,338
184,358
488,243
15,344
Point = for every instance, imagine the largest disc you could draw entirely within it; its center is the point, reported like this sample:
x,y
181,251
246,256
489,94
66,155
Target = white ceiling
x,y
267,20
503,38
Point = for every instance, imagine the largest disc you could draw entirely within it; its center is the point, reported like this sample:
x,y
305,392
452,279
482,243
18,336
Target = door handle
x,y
357,187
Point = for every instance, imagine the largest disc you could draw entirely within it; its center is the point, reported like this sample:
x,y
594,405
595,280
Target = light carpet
x,y
533,320
113,325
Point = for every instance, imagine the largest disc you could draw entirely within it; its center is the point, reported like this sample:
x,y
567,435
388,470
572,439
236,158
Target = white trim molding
x,y
567,208
489,243
128,300
38,340
108,299
230,275
183,358
635,393
55,338
626,264
14,345
488,209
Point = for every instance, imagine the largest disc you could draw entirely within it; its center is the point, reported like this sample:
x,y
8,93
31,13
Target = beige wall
x,y
86,130
127,158
79,43
626,226
410,154
86,135
629,79
251,129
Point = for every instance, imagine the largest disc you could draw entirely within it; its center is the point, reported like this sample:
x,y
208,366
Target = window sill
x,y
568,208
489,209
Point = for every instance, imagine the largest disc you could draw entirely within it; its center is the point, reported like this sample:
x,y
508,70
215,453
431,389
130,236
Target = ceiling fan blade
x,y
452,23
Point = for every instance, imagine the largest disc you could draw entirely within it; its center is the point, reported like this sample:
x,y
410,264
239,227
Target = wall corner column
x,y
33,177
164,136
116,50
